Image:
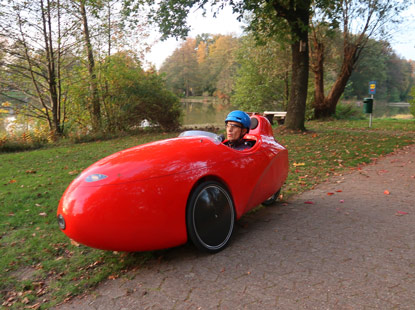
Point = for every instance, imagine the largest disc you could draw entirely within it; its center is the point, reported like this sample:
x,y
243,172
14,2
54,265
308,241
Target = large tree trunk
x,y
297,15
346,71
326,106
94,102
318,70
299,80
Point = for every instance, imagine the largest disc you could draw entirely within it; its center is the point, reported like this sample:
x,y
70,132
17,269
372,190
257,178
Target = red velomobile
x,y
159,194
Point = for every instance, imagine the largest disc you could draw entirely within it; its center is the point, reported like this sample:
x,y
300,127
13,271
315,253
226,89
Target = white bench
x,y
278,115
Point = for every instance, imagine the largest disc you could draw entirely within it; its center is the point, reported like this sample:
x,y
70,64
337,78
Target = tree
x,y
288,20
94,103
222,65
360,21
181,69
262,80
34,61
135,95
132,95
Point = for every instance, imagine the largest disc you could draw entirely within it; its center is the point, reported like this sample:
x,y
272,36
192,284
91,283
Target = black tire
x,y
271,200
210,217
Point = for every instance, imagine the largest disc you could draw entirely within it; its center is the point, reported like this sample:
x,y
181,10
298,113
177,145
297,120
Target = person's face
x,y
234,131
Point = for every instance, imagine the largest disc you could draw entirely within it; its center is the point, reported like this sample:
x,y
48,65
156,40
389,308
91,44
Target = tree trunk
x,y
346,71
297,16
326,106
94,102
299,80
318,70
51,67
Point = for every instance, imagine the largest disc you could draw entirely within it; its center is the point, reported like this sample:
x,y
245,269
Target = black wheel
x,y
271,200
210,217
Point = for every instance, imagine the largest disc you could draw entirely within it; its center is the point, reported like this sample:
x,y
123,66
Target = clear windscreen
x,y
200,133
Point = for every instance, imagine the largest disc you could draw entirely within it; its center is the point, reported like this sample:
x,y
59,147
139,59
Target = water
x,y
204,112
383,109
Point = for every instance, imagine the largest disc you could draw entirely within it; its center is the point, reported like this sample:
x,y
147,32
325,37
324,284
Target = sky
x,y
402,41
225,23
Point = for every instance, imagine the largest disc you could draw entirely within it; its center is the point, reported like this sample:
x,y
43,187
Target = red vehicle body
x,y
159,194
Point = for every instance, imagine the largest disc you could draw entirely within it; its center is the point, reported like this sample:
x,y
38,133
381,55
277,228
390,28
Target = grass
x,y
331,148
39,267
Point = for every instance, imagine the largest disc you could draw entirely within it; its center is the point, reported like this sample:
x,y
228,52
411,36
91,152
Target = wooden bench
x,y
279,116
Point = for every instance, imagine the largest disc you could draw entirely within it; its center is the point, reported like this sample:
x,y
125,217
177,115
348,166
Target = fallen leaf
x,y
386,192
73,242
341,201
339,191
298,164
42,214
12,181
400,213
309,202
330,194
35,306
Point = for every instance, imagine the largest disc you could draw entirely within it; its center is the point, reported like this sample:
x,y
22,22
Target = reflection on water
x,y
207,111
383,109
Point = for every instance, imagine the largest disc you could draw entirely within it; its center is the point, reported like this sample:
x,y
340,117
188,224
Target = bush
x,y
21,142
412,102
348,111
129,96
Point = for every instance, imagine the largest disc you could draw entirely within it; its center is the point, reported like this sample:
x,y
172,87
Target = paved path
x,y
354,249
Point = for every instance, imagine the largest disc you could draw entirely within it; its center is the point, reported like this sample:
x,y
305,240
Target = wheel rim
x,y
213,217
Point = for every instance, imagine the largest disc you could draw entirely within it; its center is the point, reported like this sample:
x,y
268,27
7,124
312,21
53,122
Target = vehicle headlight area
x,y
95,177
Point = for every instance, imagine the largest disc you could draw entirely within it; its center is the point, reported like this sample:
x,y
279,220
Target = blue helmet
x,y
239,117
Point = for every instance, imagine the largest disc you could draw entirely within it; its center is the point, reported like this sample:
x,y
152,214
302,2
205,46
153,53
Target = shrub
x,y
348,111
412,102
21,142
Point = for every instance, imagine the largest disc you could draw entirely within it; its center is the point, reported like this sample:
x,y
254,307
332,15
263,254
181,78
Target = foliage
x,y
276,18
181,70
40,267
25,134
38,57
130,95
262,81
360,22
392,74
218,66
412,101
33,64
348,111
205,65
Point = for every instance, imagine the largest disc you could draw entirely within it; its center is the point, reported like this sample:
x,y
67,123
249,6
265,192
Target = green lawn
x,y
40,267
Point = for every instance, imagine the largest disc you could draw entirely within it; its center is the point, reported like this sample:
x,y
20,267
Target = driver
x,y
237,125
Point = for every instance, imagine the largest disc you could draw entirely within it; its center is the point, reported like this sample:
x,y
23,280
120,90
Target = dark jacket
x,y
240,145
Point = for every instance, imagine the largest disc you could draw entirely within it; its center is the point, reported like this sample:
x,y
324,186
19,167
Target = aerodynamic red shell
x,y
141,203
